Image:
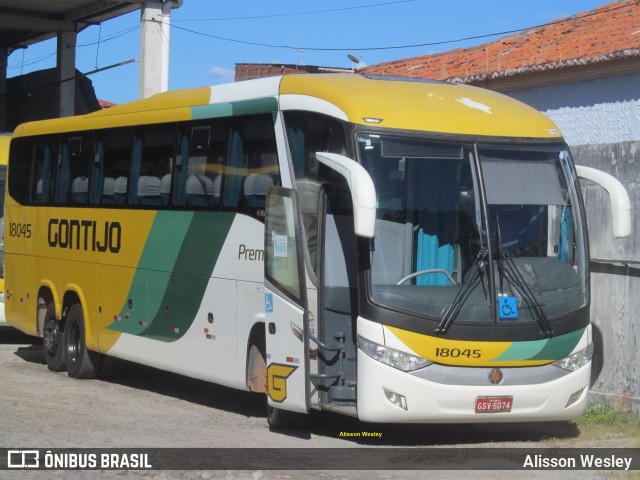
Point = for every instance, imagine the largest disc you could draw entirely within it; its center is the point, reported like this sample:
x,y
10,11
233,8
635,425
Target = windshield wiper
x,y
477,277
500,254
515,278
508,269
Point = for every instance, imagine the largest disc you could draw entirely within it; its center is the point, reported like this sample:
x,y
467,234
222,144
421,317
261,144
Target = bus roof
x,y
391,102
405,103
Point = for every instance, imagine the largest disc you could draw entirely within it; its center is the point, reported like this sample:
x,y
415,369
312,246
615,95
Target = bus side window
x,y
22,161
111,165
199,178
79,152
252,163
44,156
153,164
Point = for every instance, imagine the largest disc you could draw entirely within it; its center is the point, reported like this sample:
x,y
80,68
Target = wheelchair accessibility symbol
x,y
508,307
268,302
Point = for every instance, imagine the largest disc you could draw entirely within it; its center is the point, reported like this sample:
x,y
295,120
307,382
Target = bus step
x,y
342,394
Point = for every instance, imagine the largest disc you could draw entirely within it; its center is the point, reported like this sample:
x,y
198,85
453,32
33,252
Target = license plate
x,y
493,404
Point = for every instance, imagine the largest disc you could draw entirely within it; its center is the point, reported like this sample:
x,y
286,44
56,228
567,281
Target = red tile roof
x,y
105,104
606,33
247,71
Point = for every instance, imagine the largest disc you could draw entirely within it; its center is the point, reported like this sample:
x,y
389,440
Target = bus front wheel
x,y
52,340
284,419
80,361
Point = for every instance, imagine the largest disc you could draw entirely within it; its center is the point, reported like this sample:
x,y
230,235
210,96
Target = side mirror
x,y
363,192
620,203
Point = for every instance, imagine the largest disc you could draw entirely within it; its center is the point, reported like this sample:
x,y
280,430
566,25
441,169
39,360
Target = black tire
x,y
284,419
256,369
52,341
81,362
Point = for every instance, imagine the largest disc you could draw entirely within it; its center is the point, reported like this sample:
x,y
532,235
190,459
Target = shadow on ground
x,y
322,424
12,336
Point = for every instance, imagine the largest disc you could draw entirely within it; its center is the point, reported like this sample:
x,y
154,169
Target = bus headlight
x,y
577,360
389,356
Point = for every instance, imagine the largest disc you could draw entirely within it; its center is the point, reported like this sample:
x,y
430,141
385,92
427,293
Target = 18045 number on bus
x,y
20,230
457,353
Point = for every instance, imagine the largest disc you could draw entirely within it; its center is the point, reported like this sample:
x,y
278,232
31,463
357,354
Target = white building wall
x,y
591,112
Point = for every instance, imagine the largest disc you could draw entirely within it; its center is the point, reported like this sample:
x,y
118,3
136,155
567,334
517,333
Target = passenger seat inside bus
x,y
255,189
165,189
107,191
39,194
199,191
149,190
79,189
120,190
217,188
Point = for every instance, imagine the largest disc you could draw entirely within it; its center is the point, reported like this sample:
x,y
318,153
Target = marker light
x,y
395,398
574,398
389,356
577,360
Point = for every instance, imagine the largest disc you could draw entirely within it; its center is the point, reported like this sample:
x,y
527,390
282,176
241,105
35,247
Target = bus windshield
x,y
460,225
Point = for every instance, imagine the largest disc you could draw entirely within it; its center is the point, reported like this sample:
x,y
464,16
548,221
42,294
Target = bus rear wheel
x,y
52,340
81,362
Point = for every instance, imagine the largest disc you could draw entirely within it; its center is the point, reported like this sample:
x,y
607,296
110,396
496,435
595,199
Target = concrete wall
x,y
605,110
600,119
615,286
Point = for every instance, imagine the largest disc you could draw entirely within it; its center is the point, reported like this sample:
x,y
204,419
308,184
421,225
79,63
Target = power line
x,y
293,14
107,38
398,47
36,60
110,37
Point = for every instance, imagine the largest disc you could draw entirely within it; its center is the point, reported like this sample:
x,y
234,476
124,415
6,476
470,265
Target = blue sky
x,y
293,32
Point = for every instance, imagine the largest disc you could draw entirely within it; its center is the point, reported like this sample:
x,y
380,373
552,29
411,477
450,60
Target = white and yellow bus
x,y
403,251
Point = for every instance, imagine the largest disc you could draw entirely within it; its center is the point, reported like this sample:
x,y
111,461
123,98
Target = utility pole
x,y
155,25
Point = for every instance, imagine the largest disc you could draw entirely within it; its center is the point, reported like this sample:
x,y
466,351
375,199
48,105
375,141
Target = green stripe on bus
x,y
157,260
522,350
554,348
560,347
165,239
192,272
245,107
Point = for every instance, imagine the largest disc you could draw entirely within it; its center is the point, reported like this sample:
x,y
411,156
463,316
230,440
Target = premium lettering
x,y
88,235
252,254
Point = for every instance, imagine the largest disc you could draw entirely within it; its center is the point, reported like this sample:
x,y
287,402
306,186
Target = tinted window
x,y
111,166
252,163
202,150
72,172
153,165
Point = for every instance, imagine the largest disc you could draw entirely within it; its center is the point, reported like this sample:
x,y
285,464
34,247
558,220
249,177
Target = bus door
x,y
335,339
286,304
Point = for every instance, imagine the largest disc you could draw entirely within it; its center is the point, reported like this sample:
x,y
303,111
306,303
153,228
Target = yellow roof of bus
x,y
395,102
424,105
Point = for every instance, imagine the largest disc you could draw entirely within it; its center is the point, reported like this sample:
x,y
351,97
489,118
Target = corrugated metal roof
x,y
606,33
25,22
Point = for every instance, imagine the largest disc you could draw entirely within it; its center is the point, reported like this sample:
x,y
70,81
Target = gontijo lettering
x,y
85,235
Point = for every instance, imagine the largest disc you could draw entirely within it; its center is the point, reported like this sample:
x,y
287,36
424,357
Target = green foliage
x,y
607,415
